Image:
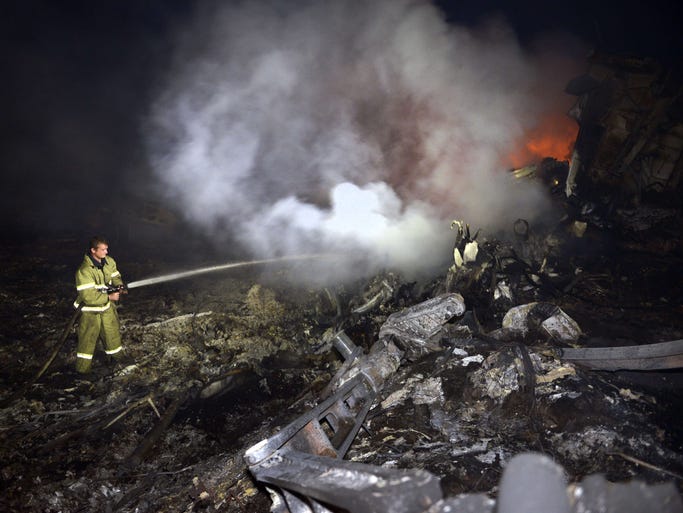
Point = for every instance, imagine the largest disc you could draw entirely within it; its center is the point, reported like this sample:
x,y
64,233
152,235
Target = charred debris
x,y
541,370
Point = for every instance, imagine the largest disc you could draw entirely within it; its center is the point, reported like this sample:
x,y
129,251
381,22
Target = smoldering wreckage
x,y
540,372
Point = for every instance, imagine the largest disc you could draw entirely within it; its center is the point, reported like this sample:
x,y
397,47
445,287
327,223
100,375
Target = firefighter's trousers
x,y
94,325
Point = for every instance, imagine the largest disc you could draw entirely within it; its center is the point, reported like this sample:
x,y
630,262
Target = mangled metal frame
x,y
302,464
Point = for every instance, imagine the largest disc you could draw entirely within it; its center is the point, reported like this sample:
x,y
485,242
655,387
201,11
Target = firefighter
x,y
98,309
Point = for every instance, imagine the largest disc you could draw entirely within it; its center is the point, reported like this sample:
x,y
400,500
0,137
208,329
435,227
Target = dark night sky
x,y
78,77
641,28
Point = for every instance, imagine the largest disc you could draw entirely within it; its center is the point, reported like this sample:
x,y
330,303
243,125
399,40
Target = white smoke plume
x,y
344,126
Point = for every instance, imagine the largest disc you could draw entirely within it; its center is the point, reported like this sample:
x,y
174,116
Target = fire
x,y
554,136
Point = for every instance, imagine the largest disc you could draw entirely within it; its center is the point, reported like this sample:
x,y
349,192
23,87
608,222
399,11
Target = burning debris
x,y
458,391
437,390
302,465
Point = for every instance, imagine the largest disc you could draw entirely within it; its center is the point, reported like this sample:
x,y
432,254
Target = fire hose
x,y
162,279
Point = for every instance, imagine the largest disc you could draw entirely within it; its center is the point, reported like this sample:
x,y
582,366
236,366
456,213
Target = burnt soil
x,y
75,443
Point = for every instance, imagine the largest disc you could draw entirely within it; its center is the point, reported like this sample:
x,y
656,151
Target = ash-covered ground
x,y
215,363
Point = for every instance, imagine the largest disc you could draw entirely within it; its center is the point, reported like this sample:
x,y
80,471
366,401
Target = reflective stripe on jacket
x,y
92,282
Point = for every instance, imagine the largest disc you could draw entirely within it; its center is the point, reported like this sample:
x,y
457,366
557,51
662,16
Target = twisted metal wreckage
x,y
303,469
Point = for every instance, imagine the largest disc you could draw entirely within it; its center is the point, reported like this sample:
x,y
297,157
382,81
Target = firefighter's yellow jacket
x,y
91,284
98,317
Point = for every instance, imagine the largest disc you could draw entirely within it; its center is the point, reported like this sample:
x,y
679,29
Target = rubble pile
x,y
441,383
215,365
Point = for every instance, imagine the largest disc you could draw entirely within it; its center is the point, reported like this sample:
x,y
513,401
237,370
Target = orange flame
x,y
554,136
